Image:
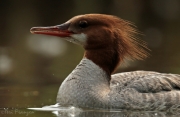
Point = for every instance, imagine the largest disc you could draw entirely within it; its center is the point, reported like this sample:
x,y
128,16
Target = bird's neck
x,y
107,59
85,86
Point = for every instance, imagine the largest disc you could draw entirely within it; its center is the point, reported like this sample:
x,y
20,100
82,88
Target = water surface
x,y
33,101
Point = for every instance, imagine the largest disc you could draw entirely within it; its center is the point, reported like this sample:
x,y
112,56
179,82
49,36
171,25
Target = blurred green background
x,y
32,67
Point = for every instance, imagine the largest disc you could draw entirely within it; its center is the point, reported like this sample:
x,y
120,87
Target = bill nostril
x,y
64,26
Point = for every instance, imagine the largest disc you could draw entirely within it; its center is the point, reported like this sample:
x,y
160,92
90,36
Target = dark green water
x,y
24,112
29,101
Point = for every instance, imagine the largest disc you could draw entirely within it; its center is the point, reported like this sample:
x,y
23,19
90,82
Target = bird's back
x,y
146,90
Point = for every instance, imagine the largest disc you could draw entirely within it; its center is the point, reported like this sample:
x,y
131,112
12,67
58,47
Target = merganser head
x,y
107,39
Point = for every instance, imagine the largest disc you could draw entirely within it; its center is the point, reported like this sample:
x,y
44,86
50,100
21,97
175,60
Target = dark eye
x,y
83,24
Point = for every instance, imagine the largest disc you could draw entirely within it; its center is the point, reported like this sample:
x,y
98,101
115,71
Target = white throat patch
x,y
80,39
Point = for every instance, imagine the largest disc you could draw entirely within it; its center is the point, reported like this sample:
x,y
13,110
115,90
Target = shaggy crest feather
x,y
132,47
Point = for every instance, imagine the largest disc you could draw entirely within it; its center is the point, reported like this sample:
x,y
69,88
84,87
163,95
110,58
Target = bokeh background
x,y
32,67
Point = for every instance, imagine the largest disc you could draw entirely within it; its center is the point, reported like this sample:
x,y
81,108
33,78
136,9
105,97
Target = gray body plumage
x,y
88,86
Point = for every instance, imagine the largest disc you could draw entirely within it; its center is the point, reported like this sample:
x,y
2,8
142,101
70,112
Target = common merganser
x,y
107,41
